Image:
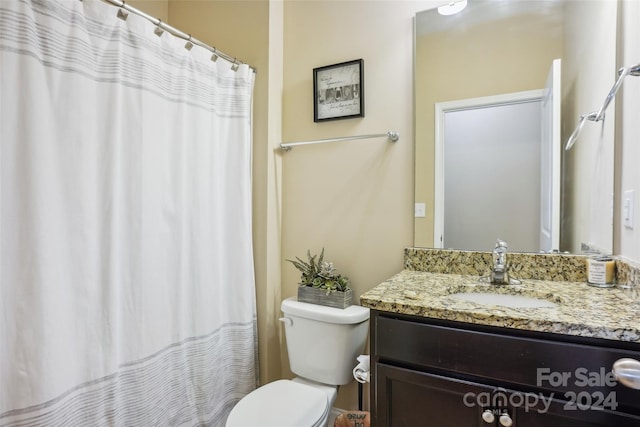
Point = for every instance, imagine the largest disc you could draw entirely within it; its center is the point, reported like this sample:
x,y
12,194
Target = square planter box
x,y
335,299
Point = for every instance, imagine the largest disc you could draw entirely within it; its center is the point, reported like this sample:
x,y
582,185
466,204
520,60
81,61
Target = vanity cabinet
x,y
428,372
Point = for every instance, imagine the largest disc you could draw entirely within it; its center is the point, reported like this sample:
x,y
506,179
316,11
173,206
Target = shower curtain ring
x,y
188,45
122,14
235,65
158,31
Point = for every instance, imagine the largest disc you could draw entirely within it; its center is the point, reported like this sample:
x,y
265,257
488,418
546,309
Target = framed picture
x,y
338,91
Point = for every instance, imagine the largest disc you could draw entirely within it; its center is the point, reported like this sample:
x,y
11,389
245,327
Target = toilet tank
x,y
324,342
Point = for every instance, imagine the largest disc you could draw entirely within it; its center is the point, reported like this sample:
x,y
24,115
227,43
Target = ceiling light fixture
x,y
452,8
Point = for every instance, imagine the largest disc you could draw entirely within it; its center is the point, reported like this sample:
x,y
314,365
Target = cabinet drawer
x,y
528,363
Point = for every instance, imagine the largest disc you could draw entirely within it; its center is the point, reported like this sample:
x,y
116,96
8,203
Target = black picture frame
x,y
338,91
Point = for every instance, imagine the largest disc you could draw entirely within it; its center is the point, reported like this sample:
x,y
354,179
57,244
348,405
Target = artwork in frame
x,y
338,91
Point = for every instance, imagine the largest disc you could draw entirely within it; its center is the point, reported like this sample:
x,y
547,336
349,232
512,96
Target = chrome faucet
x,y
499,271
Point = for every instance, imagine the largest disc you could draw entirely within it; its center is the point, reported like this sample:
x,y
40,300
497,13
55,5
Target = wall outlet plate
x,y
628,202
420,210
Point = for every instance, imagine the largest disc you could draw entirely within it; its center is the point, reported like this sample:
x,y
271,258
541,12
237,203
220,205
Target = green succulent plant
x,y
318,273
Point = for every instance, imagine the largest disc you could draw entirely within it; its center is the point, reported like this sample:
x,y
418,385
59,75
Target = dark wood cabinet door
x,y
407,398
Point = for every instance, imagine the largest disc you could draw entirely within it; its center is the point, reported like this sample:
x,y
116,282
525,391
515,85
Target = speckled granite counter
x,y
581,310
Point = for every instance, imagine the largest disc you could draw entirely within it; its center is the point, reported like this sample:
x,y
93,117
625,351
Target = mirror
x,y
497,48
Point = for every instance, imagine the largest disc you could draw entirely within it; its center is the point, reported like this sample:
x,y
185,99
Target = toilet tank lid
x,y
349,315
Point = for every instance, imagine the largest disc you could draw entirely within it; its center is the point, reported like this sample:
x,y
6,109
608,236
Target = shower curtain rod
x,y
180,34
393,136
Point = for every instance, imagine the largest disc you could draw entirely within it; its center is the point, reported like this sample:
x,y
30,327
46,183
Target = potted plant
x,y
320,283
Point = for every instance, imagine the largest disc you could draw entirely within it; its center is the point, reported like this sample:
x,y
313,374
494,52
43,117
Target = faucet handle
x,y
499,272
500,256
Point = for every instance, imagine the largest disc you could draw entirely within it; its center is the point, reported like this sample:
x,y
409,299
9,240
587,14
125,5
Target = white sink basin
x,y
513,301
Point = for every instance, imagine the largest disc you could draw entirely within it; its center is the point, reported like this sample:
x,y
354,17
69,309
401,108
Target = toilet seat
x,y
282,403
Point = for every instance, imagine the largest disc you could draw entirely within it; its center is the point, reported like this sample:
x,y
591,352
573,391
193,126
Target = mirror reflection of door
x,y
492,175
500,174
492,172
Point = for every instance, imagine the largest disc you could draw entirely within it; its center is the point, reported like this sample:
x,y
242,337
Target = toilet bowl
x,y
323,344
284,403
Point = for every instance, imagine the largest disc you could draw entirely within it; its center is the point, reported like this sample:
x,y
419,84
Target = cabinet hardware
x,y
627,372
505,420
488,416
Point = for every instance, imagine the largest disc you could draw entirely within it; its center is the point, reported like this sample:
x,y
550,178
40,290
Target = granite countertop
x,y
580,310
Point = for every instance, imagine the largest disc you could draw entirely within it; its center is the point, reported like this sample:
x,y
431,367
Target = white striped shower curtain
x,y
126,275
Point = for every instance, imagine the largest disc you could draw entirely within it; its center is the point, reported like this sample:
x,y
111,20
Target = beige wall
x,y
588,73
156,8
490,58
352,198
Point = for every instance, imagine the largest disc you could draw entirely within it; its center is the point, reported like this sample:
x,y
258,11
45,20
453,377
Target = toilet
x,y
323,344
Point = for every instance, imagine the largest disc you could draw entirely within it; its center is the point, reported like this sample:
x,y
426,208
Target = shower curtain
x,y
127,293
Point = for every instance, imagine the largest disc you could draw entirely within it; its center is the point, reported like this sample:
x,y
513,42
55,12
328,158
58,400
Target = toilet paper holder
x,y
361,371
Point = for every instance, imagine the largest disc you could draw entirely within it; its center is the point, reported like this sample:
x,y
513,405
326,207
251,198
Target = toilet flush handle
x,y
286,321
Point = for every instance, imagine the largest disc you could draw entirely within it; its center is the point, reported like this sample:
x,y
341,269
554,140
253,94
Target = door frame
x,y
441,108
